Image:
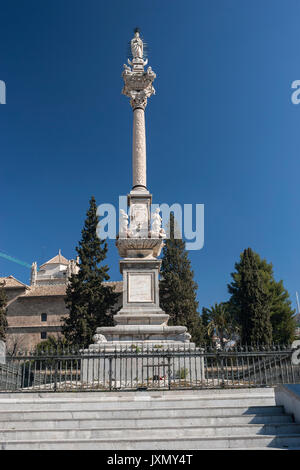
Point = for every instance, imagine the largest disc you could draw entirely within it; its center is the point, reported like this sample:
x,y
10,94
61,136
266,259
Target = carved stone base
x,y
139,247
145,333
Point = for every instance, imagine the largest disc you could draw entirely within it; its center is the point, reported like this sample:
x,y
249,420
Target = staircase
x,y
161,420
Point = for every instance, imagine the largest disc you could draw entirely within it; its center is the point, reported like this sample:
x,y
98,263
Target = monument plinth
x,y
141,236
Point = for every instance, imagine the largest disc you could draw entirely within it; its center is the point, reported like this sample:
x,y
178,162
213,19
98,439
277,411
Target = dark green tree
x,y
90,303
178,288
3,317
250,301
281,313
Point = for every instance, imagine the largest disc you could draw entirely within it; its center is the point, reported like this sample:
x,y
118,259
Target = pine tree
x,y
89,302
178,288
3,317
251,302
281,312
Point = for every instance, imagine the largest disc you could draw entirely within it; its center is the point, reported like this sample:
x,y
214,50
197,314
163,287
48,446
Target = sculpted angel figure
x,y
156,222
137,46
123,222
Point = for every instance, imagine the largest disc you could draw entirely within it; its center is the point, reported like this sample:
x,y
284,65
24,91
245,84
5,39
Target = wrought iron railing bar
x,y
214,364
104,367
120,366
292,371
196,375
287,370
6,379
270,367
265,370
254,371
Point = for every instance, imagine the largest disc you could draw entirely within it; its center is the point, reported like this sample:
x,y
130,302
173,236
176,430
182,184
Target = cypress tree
x,y
3,317
178,288
251,302
281,313
89,302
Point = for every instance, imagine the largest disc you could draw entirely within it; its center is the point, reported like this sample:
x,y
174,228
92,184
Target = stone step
x,y
144,423
86,413
159,432
43,405
136,395
162,443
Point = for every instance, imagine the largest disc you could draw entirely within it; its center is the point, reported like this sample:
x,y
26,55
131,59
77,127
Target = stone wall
x,y
24,311
25,323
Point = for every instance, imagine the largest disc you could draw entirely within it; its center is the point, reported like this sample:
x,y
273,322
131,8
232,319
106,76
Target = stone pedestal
x,y
116,365
141,319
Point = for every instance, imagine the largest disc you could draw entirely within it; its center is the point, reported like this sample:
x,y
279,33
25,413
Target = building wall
x,y
25,323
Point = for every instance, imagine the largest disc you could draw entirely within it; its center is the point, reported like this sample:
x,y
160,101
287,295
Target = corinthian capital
x,y
138,86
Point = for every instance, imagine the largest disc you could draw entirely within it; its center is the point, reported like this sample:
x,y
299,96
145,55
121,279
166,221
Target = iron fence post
x,y
55,374
169,372
220,360
110,372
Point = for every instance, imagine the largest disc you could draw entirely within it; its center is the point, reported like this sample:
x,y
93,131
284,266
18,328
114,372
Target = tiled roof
x,y
13,283
60,289
58,259
46,290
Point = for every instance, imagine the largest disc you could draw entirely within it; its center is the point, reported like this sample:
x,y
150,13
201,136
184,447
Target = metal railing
x,y
10,377
140,368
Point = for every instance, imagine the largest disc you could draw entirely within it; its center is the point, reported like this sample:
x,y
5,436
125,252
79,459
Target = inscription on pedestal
x,y
140,287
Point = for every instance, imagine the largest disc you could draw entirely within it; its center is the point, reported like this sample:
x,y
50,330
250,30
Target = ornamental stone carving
x,y
129,247
138,89
98,338
138,83
123,224
139,221
156,230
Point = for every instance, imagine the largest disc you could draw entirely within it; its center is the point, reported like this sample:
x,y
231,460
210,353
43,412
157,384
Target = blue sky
x,y
221,129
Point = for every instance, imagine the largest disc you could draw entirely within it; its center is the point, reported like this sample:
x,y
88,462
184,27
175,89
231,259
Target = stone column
x,y
138,86
139,150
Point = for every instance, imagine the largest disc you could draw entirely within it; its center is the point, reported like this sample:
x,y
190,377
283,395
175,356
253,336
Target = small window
x,y
43,335
44,317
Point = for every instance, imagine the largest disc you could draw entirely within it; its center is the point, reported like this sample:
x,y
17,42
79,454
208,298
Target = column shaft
x,y
139,149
